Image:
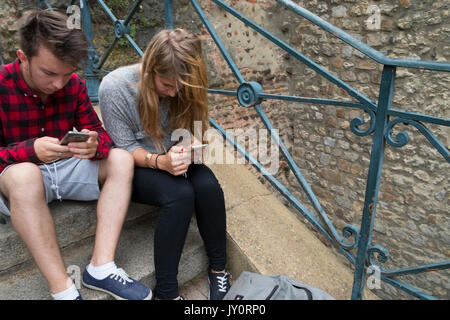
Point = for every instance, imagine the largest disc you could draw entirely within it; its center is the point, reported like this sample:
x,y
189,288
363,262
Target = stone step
x,y
134,254
74,221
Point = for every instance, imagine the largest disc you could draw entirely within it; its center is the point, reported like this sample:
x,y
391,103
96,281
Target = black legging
x,y
178,197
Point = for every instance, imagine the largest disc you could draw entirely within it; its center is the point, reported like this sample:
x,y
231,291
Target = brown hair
x,y
174,54
49,28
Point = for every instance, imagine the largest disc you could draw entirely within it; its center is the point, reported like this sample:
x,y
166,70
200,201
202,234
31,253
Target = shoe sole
x,y
149,297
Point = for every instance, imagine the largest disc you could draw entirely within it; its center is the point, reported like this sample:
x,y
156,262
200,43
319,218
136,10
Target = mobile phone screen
x,y
199,146
73,136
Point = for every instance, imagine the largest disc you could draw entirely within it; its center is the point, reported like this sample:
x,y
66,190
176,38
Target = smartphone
x,y
74,136
198,146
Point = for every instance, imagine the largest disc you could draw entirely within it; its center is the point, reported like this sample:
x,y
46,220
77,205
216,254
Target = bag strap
x,y
272,292
308,292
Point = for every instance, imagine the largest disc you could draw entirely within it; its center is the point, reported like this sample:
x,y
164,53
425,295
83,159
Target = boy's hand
x,y
85,150
48,149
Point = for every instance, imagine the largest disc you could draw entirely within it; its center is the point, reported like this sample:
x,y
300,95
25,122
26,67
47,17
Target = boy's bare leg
x,y
115,177
22,184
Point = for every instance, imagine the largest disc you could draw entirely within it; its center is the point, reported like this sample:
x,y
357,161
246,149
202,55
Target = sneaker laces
x,y
121,276
222,281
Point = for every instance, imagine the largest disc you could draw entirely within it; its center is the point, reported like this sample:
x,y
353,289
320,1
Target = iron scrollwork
x,y
350,231
356,122
377,254
402,138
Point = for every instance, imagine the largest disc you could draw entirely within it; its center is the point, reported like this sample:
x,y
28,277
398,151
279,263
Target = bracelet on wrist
x,y
156,161
148,160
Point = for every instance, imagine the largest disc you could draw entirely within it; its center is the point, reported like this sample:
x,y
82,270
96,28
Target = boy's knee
x,y
120,163
23,180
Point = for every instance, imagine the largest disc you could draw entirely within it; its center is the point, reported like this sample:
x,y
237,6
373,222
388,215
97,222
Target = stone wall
x,y
412,214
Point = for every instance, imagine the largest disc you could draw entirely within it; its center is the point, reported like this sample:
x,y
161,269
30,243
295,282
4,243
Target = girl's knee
x,y
183,195
208,188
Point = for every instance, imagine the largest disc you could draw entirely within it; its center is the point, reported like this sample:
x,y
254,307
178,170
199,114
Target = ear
x,y
22,56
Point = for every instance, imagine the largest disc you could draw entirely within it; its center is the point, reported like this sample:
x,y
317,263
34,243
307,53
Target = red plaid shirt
x,y
24,117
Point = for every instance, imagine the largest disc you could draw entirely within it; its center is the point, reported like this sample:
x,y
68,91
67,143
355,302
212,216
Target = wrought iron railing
x,y
251,94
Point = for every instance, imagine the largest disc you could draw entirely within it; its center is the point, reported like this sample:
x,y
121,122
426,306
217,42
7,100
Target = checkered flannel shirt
x,y
24,117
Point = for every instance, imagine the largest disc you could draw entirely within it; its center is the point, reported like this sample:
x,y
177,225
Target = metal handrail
x,y
251,94
361,46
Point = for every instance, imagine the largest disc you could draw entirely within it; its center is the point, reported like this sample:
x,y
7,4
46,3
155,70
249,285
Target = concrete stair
x,y
75,224
262,236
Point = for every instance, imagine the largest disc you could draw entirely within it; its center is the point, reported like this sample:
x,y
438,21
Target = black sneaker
x,y
219,284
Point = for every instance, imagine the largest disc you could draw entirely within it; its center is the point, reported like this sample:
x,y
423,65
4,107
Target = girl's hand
x,y
176,161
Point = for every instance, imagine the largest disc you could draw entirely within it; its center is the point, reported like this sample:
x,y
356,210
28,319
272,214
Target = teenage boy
x,y
41,99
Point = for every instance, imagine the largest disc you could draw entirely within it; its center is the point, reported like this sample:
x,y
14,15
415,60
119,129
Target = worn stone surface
x,y
274,241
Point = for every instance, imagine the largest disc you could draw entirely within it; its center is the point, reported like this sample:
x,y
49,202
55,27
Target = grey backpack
x,y
253,286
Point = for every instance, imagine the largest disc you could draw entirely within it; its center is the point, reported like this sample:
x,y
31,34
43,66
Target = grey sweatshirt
x,y
118,96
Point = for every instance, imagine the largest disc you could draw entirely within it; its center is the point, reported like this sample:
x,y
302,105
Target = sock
x,y
69,294
101,272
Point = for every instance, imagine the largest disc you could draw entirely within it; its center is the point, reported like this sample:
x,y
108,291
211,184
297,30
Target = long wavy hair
x,y
174,54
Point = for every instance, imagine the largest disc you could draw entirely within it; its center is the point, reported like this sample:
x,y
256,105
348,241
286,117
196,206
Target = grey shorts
x,y
70,179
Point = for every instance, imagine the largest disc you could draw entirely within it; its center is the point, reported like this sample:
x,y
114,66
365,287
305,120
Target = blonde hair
x,y
174,54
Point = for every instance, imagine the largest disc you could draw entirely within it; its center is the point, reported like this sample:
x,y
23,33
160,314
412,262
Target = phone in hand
x,y
198,146
74,136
